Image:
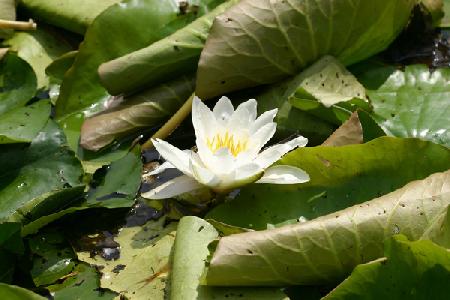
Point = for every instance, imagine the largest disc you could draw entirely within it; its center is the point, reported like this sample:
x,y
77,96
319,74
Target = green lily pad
x,y
53,257
340,177
325,250
166,59
142,270
190,254
18,84
32,172
85,284
23,124
414,103
412,270
12,292
121,183
73,15
39,48
260,41
119,30
137,113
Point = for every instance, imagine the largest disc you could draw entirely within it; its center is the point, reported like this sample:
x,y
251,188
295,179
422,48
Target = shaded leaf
x,y
261,41
83,285
39,48
135,113
340,177
413,270
12,292
414,103
119,30
53,258
349,133
121,183
23,124
46,166
73,15
19,82
11,246
59,66
326,249
90,160
163,60
148,245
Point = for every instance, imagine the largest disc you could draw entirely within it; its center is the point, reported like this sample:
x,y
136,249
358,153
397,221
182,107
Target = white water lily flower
x,y
229,143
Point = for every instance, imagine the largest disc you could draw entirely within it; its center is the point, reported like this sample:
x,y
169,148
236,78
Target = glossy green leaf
x,y
53,257
141,271
18,84
39,48
59,66
73,15
84,285
91,160
57,202
12,292
119,30
411,270
326,249
414,103
163,60
23,124
340,177
136,113
31,172
121,183
261,41
190,254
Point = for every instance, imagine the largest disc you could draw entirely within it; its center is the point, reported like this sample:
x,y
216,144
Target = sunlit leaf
x,y
326,249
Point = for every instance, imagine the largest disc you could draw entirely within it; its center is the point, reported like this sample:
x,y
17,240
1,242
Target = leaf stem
x,y
172,124
18,25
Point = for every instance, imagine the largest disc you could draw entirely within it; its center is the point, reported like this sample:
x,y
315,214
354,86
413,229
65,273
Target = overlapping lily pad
x,y
340,177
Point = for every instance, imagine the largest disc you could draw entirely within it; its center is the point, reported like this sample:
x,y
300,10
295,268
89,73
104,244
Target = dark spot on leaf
x,y
118,268
201,228
392,115
176,48
249,251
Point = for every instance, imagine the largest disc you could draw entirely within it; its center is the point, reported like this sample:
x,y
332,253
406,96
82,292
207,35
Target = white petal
x,y
250,106
223,110
283,174
248,172
275,152
161,168
260,138
174,187
203,118
202,174
178,158
265,118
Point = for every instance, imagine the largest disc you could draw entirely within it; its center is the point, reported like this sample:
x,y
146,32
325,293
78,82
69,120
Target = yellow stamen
x,y
226,141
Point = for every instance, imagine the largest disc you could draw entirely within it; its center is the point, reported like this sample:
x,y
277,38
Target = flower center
x,y
235,146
